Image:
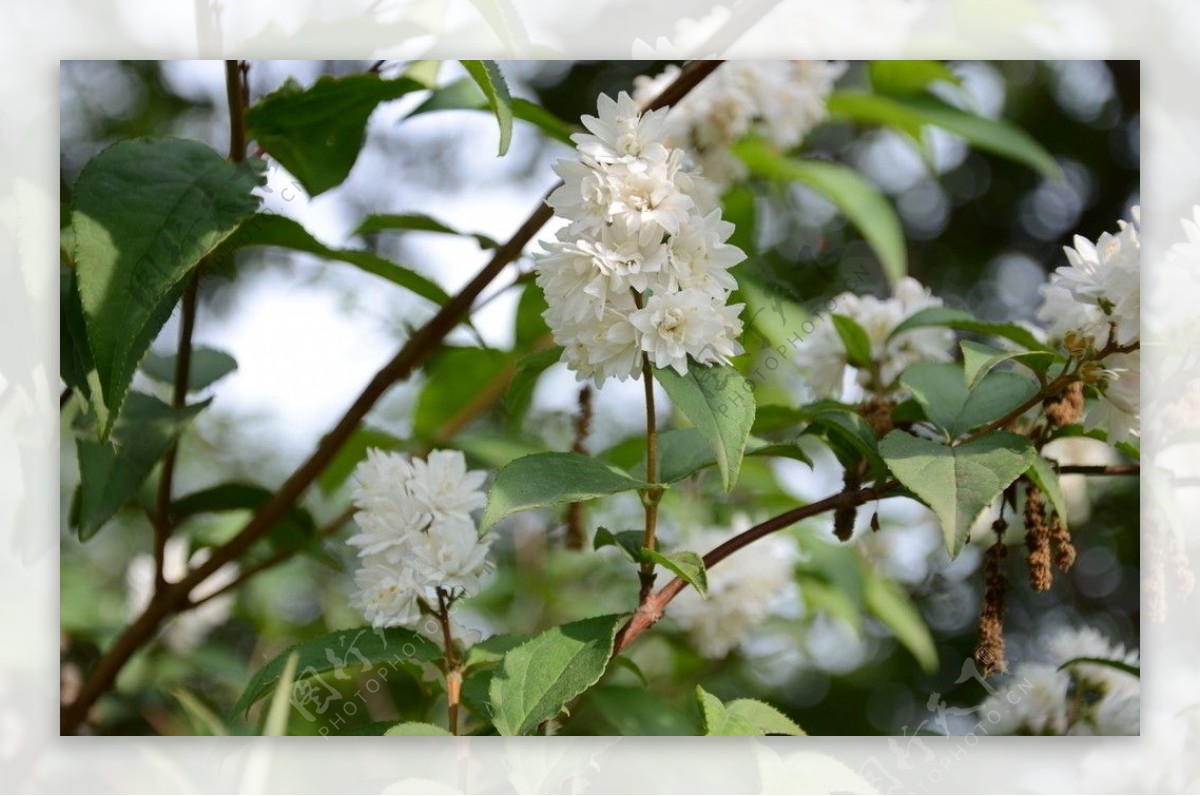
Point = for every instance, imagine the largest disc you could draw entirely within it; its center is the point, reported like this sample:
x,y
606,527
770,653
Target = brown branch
x,y
163,523
1100,469
425,340
652,495
651,610
235,94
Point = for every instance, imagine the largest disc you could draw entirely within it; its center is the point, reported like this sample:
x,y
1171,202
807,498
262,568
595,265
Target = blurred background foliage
x,y
981,231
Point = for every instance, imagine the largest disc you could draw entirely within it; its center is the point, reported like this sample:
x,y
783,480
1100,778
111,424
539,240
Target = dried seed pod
x,y
1064,548
878,414
1066,407
1037,541
845,514
989,653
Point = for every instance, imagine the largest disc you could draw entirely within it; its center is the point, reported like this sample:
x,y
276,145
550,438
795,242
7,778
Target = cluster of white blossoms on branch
x,y
416,534
643,265
823,358
1097,299
743,591
780,101
1083,698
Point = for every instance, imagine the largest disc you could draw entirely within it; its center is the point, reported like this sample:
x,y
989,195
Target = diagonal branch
x,y
174,598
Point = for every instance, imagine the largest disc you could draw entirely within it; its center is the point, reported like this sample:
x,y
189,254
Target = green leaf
x,y
628,542
862,202
941,389
281,702
536,679
849,435
889,603
465,95
351,453
417,222
687,565
270,229
912,113
75,363
1045,477
855,339
491,650
145,211
965,321
685,451
720,404
763,717
362,646
203,719
958,482
453,380
719,721
1120,666
316,133
111,473
979,358
552,479
415,728
207,367
488,77
908,77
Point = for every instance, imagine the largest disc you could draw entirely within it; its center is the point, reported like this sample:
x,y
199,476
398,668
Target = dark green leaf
x,y
720,404
684,451
628,542
979,358
552,479
959,482
862,202
316,133
911,114
356,647
453,380
634,711
294,530
416,222
535,680
855,339
207,367
941,389
111,473
908,77
269,229
850,435
75,363
488,77
145,211
465,95
685,564
965,321
491,650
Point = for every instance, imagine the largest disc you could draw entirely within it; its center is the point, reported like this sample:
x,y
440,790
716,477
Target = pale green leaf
x,y
281,700
552,479
855,340
207,366
888,603
941,389
685,564
720,404
535,680
417,222
718,721
958,482
965,321
908,77
758,714
416,728
1045,477
488,77
979,359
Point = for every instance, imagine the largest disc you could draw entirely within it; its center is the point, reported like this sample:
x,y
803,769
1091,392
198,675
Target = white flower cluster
x,y
1098,297
742,592
1083,699
187,630
642,266
780,101
822,356
416,534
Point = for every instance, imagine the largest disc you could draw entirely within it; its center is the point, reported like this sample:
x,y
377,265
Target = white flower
x,y
742,592
780,101
185,632
637,237
416,534
1081,699
1118,410
687,323
823,355
1104,279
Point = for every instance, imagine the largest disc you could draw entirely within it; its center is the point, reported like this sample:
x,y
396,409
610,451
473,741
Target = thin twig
x,y
652,495
235,95
651,610
424,341
1100,469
